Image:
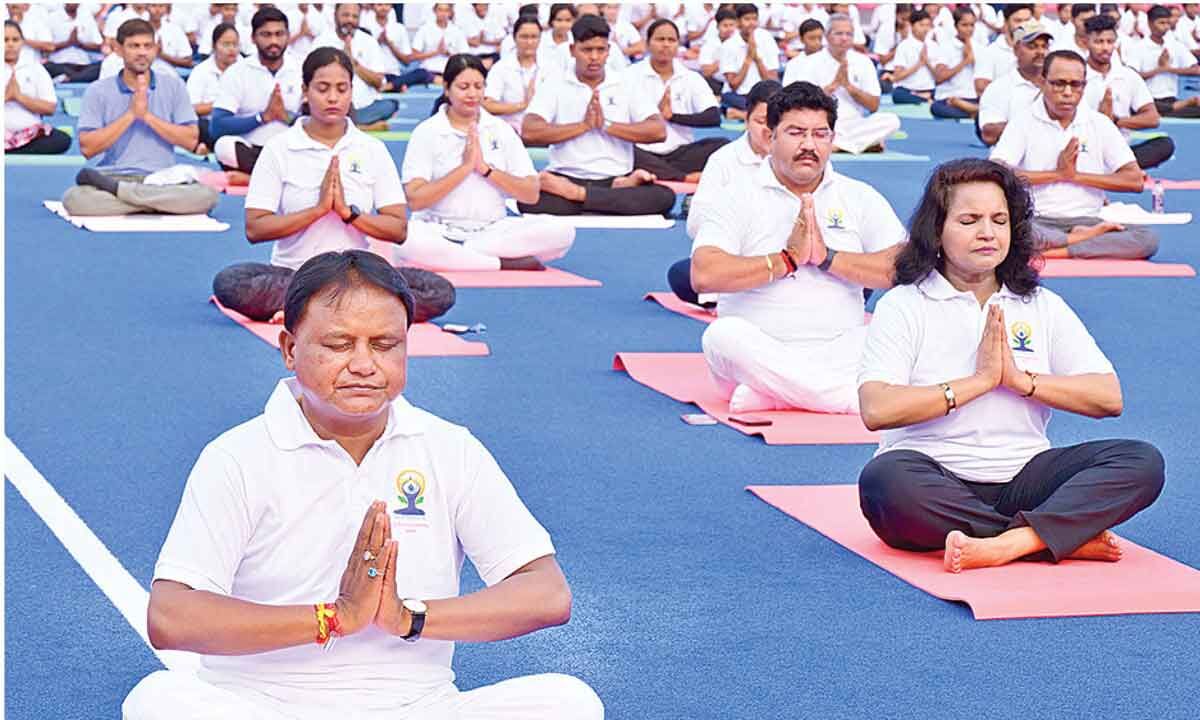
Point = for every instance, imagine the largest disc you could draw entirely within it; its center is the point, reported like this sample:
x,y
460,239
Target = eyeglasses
x,y
1060,85
817,134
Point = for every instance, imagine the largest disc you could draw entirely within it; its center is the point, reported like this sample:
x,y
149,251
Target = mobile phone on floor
x,y
751,420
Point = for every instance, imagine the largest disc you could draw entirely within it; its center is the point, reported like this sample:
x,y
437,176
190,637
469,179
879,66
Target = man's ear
x,y
287,348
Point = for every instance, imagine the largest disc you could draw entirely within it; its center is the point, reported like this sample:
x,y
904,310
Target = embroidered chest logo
x,y
410,489
835,219
494,144
1022,337
355,166
612,100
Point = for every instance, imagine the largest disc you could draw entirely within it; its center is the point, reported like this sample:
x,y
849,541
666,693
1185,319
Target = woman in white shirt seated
x,y
459,168
964,360
512,80
322,186
28,95
687,102
204,82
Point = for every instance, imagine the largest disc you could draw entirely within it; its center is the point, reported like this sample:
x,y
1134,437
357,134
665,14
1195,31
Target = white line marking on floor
x,y
126,593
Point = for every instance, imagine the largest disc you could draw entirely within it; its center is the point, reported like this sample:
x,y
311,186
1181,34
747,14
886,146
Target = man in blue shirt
x,y
133,121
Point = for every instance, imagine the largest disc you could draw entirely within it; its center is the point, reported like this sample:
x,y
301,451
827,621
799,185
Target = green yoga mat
x,y
539,154
194,156
44,160
912,112
68,129
741,127
886,156
1180,121
1146,134
391,135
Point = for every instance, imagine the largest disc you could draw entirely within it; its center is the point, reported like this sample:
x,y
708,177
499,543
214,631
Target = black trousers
x,y
1165,108
677,164
1067,495
258,290
1153,152
56,143
75,73
603,199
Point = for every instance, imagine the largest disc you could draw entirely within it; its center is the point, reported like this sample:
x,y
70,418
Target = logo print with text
x,y
410,489
1022,336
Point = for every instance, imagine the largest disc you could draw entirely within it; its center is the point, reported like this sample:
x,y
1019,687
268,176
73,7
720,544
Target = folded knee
x,y
150,696
1150,466
660,198
724,334
575,697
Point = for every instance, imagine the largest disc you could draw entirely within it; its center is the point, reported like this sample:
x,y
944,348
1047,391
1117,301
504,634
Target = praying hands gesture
x,y
473,152
1067,159
805,245
1164,60
530,89
275,109
752,49
594,117
664,105
140,106
362,590
333,197
12,90
1106,105
994,360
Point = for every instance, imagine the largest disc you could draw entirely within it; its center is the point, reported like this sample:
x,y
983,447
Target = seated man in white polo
x,y
1011,94
259,96
850,77
133,121
1071,154
371,109
281,570
790,250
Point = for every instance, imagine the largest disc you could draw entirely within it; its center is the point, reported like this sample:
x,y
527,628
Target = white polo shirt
x,y
594,154
1129,92
996,61
366,53
908,53
755,217
1032,141
287,179
86,30
733,54
396,33
821,68
317,23
174,40
436,149
929,333
1006,97
950,54
1164,84
506,83
690,94
430,36
734,163
270,514
34,26
490,29
246,90
204,43
625,35
205,82
34,81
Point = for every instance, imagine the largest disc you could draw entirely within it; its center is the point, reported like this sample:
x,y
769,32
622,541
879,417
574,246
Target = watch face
x,y
414,606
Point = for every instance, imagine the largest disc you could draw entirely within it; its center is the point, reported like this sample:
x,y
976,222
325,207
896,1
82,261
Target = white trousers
x,y
429,244
225,149
817,376
856,134
178,695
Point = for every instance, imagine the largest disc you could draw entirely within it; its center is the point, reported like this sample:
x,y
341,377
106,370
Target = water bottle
x,y
1159,194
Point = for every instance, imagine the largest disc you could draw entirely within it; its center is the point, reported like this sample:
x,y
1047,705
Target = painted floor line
x,y
125,593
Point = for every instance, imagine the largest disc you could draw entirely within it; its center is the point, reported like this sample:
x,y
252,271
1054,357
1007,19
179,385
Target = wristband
x,y
489,170
327,623
830,254
1032,384
951,400
788,262
770,267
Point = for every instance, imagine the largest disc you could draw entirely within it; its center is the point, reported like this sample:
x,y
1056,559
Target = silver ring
x,y
372,572
368,556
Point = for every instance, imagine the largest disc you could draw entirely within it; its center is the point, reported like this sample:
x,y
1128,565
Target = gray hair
x,y
840,17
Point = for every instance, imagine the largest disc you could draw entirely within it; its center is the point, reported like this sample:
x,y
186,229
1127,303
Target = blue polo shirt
x,y
140,150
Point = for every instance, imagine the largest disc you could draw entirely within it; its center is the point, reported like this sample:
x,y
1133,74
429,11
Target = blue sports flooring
x,y
692,598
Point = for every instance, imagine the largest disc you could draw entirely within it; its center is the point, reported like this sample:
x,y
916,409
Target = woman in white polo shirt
x,y
460,167
964,360
204,82
323,185
686,102
512,80
28,95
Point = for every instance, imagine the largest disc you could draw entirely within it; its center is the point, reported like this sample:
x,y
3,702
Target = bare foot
x,y
277,318
1104,547
202,149
964,552
735,114
635,178
237,177
527,262
1080,233
562,187
377,126
692,177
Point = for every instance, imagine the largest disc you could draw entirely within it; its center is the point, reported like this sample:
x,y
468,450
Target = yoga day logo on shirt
x,y
355,165
1022,336
410,488
835,219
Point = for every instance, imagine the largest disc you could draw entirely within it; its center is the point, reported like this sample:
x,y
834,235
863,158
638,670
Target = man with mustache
x,y
371,109
1012,93
790,249
259,96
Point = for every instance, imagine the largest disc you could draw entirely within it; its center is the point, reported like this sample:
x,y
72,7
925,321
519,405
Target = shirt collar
x,y
766,177
126,89
441,121
300,140
254,61
289,429
935,286
1039,113
573,79
647,70
745,154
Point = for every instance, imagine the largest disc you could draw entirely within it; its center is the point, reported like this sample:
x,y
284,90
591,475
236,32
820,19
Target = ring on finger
x,y
372,572
369,556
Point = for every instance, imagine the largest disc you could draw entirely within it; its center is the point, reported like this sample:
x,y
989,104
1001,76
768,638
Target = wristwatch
x,y
354,213
258,118
416,610
830,253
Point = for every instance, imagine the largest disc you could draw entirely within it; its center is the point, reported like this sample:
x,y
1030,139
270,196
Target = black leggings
x,y
1153,152
680,162
1166,109
56,143
603,199
75,73
1067,495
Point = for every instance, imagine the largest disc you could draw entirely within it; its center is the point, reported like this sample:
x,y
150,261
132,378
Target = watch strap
x,y
354,214
830,254
415,628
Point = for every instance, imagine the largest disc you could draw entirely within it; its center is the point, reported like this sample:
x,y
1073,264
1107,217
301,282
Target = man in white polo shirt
x,y
371,109
591,122
849,76
749,55
1119,93
1071,154
1000,59
259,96
1161,59
1011,94
315,558
790,249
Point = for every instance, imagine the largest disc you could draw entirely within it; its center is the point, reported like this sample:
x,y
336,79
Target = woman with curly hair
x,y
964,360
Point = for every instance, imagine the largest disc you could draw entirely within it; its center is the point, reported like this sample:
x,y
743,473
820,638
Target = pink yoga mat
x,y
671,302
550,277
220,181
1071,267
685,377
424,339
680,188
1174,184
1142,582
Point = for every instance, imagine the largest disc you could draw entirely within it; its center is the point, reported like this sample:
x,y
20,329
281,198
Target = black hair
x,y
762,92
1070,55
266,15
1099,24
556,8
220,30
1157,12
922,254
809,25
800,96
15,26
961,12
1109,7
526,20
745,9
528,9
132,27
725,14
337,272
589,27
917,16
1080,8
1008,10
659,23
455,66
